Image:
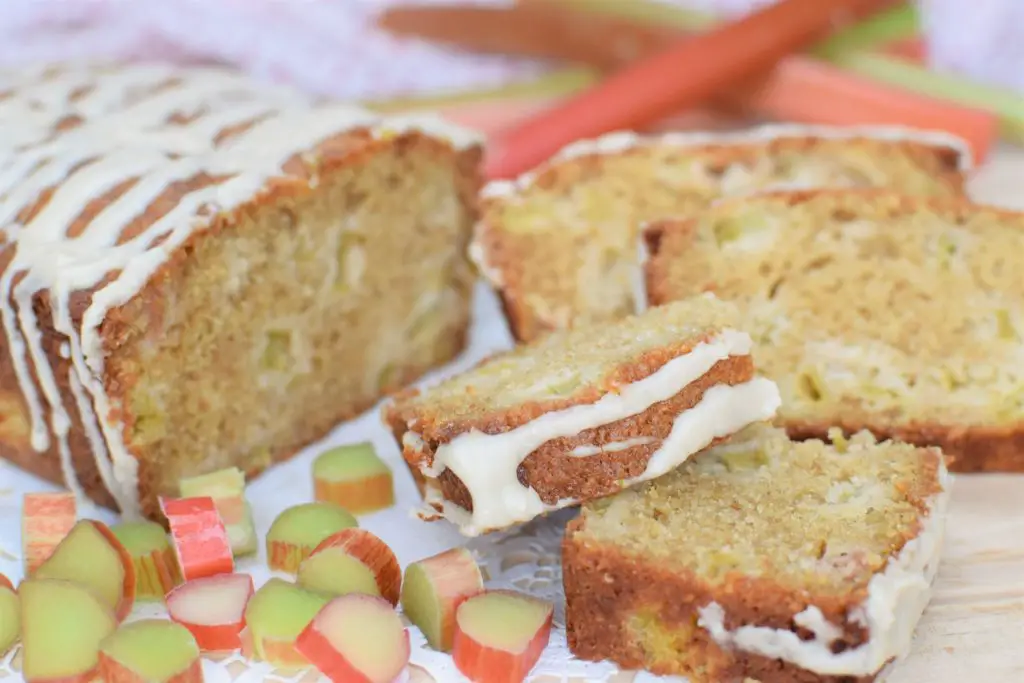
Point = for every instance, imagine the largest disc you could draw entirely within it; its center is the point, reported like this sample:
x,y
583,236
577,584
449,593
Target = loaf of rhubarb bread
x,y
197,271
761,559
560,244
871,310
579,414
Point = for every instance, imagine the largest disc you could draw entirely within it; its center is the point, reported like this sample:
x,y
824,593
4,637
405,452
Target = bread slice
x,y
579,414
871,310
762,558
559,244
198,271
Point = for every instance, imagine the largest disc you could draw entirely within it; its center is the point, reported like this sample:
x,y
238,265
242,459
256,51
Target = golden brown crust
x,y
607,593
556,475
436,428
121,324
505,257
967,448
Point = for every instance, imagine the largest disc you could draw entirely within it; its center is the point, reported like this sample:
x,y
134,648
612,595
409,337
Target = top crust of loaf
x,y
563,369
559,243
761,505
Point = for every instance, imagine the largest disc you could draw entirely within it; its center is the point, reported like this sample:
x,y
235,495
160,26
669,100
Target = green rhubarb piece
x,y
227,488
275,616
10,619
153,649
347,463
298,530
141,538
62,625
333,571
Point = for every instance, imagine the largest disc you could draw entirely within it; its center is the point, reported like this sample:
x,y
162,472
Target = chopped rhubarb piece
x,y
62,625
213,609
92,556
150,651
46,519
353,477
227,488
356,639
433,588
200,539
300,529
156,567
340,564
500,635
274,618
10,616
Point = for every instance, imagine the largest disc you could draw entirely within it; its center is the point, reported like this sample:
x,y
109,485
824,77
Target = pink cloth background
x,y
330,47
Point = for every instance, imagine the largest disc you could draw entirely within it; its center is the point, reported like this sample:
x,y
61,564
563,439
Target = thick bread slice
x,y
872,311
560,243
762,558
579,414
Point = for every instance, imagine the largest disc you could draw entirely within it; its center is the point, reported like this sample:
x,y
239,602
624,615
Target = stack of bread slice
x,y
880,304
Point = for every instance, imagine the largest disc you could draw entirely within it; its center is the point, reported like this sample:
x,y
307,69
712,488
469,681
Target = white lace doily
x,y
526,559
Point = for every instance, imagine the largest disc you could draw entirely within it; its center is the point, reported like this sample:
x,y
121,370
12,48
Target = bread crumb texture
x,y
808,516
562,369
866,307
562,245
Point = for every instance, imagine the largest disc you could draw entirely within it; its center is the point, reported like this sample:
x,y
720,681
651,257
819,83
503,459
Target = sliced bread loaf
x,y
871,310
579,414
560,243
762,558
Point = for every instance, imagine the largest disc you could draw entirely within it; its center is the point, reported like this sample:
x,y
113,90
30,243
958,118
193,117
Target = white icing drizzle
x,y
487,464
896,599
126,133
613,447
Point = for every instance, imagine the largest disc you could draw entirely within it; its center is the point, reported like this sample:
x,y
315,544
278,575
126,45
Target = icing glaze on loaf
x,y
208,139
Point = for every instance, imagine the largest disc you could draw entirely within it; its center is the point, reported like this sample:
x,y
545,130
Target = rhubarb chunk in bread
x,y
200,272
762,559
871,310
560,243
580,414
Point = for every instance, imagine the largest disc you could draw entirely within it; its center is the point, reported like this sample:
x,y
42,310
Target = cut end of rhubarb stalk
x,y
46,519
353,477
150,651
212,608
433,588
227,489
357,638
62,624
156,567
500,635
10,617
201,542
92,556
274,618
300,529
362,546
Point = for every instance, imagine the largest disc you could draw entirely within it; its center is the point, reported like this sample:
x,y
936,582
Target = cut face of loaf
x,y
872,311
579,414
237,269
560,243
761,559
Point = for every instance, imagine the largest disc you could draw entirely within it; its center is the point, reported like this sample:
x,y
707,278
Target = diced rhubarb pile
x,y
338,615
